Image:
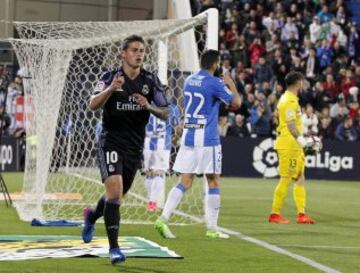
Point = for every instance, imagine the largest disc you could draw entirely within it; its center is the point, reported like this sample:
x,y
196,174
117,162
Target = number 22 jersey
x,y
203,94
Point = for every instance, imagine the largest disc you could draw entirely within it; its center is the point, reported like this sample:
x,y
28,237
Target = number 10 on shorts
x,y
111,157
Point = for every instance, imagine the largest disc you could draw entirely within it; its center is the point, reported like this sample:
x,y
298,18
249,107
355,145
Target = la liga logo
x,y
265,159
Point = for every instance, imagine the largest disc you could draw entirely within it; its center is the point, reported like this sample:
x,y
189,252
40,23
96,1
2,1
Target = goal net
x,y
62,62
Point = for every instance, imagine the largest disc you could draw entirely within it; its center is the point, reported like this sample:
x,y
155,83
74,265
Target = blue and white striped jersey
x,y
202,96
159,132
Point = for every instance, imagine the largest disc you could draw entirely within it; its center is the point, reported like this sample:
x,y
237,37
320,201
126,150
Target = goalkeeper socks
x,y
148,184
213,208
300,198
158,190
112,221
98,212
280,194
173,201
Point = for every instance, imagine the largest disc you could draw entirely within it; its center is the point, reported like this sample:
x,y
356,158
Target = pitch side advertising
x,y
255,157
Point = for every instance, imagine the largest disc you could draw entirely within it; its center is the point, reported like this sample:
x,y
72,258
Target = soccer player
x,y
290,145
200,149
127,96
157,150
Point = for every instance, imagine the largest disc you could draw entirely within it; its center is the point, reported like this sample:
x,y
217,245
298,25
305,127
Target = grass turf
x,y
333,241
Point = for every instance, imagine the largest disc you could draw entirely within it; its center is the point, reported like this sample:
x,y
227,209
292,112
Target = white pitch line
x,y
322,246
258,242
280,250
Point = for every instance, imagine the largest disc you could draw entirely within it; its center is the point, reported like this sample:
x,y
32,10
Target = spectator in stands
x,y
240,51
223,125
263,72
271,23
224,52
346,131
6,121
310,121
353,109
250,32
226,67
231,37
2,73
312,65
239,128
353,46
289,30
315,30
256,49
326,131
347,83
260,120
324,15
357,75
325,54
331,88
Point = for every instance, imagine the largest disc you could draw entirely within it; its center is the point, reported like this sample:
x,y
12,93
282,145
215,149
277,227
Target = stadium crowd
x,y
11,89
261,41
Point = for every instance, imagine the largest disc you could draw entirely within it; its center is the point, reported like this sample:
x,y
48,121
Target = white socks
x,y
213,208
173,201
157,190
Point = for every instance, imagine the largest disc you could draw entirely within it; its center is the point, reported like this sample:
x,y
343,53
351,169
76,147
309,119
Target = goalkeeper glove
x,y
307,145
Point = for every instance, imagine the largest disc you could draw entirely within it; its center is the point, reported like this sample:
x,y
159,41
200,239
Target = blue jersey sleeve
x,y
221,91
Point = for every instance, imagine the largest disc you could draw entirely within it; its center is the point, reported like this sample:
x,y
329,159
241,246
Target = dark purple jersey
x,y
124,120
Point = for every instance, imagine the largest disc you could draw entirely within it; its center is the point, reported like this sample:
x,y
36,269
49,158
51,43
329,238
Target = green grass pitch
x,y
333,241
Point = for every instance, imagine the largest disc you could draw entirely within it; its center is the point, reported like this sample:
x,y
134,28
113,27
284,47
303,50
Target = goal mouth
x,y
62,62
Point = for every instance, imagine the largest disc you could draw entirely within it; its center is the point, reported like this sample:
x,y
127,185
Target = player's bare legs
x,y
213,207
173,200
300,201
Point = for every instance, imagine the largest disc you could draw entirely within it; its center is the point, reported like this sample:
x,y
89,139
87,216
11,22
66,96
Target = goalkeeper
x,y
290,145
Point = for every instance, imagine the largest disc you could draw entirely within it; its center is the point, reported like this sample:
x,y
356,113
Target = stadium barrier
x,y
255,157
11,153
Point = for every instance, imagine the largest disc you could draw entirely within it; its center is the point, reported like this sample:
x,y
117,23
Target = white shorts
x,y
199,160
156,160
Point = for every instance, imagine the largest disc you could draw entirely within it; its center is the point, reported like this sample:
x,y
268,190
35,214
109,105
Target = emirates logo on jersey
x,y
145,90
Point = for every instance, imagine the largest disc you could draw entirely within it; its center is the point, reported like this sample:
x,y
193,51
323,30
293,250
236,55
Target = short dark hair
x,y
130,39
293,77
208,58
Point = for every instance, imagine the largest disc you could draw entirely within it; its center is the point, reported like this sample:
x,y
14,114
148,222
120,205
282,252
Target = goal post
x,y
63,61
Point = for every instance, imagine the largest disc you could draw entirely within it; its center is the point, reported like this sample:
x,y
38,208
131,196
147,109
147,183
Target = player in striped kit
x,y
200,150
157,149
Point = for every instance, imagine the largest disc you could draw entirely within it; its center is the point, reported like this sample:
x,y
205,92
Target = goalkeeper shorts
x,y
291,163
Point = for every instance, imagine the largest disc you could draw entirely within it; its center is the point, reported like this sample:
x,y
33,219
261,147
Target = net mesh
x,y
63,62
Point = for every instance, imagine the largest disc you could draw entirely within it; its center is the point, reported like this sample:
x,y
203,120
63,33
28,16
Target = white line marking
x,y
244,237
280,250
321,246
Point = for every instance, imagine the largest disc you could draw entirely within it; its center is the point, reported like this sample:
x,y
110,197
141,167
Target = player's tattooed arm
x,y
292,128
159,112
